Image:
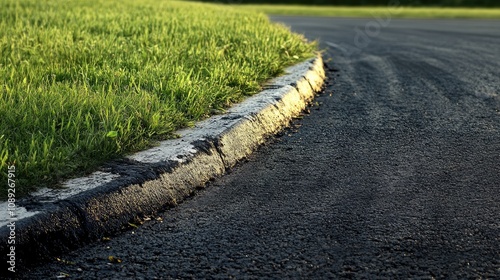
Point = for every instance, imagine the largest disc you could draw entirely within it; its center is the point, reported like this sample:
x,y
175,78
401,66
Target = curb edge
x,y
140,189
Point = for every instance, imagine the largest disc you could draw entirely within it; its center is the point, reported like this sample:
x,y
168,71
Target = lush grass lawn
x,y
82,82
395,12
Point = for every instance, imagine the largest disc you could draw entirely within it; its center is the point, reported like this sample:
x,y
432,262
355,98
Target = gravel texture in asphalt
x,y
395,173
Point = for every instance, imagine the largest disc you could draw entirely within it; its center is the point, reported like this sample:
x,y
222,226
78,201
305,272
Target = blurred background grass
x,y
414,3
481,9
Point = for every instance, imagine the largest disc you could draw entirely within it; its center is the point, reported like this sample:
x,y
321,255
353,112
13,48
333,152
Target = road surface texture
x,y
395,173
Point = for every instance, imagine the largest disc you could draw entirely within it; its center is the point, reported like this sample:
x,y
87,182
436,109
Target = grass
x,y
395,12
82,82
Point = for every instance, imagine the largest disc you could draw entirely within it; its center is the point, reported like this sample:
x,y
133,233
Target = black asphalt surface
x,y
395,173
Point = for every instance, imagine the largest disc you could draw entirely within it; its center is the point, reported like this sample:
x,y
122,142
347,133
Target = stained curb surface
x,y
51,222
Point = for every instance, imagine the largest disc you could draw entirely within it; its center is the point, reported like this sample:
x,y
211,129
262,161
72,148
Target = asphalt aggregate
x,y
392,173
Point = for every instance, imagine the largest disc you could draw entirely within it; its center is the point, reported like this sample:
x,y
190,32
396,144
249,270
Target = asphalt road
x,y
395,173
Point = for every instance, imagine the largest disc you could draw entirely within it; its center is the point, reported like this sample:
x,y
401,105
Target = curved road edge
x,y
127,191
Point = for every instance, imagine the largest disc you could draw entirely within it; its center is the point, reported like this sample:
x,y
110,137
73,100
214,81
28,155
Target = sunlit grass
x,y
395,12
82,82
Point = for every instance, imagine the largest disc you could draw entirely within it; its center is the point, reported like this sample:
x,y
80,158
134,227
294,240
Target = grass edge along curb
x,y
82,82
150,181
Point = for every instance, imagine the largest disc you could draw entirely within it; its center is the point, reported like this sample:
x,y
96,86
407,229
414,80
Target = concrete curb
x,y
51,222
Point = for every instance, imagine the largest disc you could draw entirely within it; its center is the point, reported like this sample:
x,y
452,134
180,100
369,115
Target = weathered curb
x,y
54,221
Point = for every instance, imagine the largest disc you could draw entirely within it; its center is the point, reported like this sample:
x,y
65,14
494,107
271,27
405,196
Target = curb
x,y
51,222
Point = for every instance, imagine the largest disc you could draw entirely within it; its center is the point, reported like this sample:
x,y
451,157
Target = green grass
x,y
413,3
369,12
82,82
